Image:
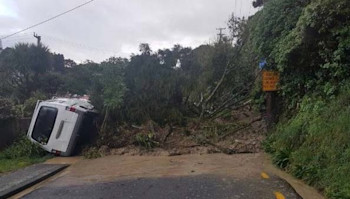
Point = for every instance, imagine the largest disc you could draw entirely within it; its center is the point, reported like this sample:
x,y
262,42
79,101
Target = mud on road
x,y
185,176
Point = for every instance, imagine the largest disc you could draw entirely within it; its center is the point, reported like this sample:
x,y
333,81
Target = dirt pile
x,y
241,131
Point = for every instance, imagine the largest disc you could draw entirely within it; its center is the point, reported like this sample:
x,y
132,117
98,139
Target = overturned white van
x,y
57,124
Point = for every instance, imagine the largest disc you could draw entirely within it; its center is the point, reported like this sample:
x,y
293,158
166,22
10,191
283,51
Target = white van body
x,y
56,123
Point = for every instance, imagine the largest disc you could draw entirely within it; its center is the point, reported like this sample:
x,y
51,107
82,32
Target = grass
x,y
21,154
314,145
8,165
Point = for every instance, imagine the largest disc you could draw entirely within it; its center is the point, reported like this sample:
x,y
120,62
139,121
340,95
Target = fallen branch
x,y
227,105
136,127
168,134
225,150
240,128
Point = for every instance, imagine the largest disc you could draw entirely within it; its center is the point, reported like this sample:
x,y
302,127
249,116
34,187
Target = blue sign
x,y
262,64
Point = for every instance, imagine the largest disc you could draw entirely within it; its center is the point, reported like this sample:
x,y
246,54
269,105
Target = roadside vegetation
x,y
314,144
21,154
308,42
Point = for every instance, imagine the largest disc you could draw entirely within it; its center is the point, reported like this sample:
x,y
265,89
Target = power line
x,y
78,45
17,37
47,20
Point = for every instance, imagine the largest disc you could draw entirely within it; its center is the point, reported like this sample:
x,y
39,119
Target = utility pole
x,y
38,39
0,45
221,34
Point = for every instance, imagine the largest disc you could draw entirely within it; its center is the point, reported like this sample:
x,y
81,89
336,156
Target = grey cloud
x,y
116,27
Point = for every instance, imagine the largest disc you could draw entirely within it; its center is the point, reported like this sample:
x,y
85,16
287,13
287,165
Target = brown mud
x,y
241,131
107,169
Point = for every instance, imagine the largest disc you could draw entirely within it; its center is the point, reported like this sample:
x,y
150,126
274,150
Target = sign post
x,y
270,84
270,80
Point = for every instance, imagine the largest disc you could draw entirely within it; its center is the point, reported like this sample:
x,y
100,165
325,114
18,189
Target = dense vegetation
x,y
314,144
22,153
308,42
168,86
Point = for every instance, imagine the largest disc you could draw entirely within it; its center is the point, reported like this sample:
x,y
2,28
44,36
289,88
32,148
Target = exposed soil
x,y
242,131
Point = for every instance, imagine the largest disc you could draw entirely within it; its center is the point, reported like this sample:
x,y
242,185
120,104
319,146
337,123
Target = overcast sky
x,y
107,28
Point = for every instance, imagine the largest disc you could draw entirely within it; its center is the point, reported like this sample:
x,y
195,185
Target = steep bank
x,y
314,145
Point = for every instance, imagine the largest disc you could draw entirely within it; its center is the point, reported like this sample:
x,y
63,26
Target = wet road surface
x,y
156,177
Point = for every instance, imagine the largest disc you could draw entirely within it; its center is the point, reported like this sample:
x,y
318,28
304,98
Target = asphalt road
x,y
202,186
207,176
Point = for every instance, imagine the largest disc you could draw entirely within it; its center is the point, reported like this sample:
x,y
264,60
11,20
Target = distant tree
x,y
21,67
145,49
237,27
58,62
6,108
259,3
153,85
78,79
68,63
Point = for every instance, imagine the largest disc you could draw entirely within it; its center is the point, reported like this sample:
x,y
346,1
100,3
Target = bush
x,y
314,145
6,108
21,154
26,109
147,141
92,153
23,147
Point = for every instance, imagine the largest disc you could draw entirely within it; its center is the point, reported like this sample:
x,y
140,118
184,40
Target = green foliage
x,y
92,153
259,3
8,165
308,42
26,109
79,78
154,86
23,147
21,154
112,82
146,140
314,144
21,68
6,108
274,22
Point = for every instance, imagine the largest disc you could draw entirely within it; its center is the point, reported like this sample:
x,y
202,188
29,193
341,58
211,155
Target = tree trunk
x,y
105,120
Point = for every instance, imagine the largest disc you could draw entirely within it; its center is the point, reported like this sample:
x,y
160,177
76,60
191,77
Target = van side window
x,y
44,124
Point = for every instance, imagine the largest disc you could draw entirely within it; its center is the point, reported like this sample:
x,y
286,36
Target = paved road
x,y
191,176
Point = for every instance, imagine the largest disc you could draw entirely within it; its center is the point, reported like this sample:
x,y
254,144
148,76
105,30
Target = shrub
x,y
23,148
314,144
146,140
91,153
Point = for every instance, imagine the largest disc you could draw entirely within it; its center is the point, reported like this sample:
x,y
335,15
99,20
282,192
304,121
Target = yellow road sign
x,y
270,80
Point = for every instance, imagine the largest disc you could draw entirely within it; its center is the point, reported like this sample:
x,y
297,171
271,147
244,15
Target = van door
x,y
44,124
64,127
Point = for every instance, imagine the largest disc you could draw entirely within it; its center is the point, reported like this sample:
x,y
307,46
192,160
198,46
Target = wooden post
x,y
269,113
270,82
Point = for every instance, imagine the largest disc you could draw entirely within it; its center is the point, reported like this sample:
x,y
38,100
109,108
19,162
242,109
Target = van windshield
x,y
44,124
